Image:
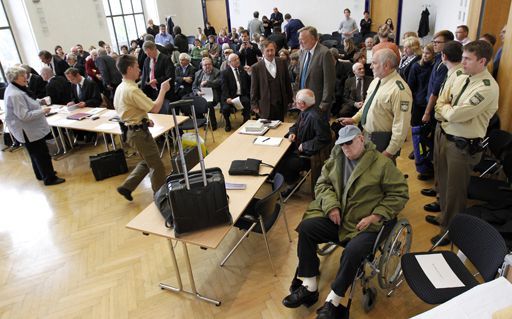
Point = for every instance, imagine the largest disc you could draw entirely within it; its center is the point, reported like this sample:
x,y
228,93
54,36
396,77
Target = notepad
x,y
271,124
438,271
268,141
78,116
244,131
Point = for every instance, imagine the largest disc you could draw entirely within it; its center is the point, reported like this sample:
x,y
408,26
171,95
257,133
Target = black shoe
x,y
227,128
329,311
445,242
425,177
431,220
430,192
301,296
56,181
125,192
411,156
296,283
432,207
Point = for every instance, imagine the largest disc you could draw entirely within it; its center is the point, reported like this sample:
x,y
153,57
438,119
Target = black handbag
x,y
249,166
108,164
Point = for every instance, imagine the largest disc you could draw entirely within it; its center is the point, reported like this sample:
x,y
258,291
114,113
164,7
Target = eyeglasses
x,y
348,143
437,42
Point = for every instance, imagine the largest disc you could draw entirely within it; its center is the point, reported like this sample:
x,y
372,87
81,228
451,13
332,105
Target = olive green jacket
x,y
376,186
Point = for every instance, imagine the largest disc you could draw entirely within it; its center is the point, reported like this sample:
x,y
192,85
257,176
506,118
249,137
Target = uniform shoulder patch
x,y
476,99
400,85
404,105
459,72
487,82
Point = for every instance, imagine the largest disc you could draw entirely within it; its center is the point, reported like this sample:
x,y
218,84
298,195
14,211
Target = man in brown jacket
x,y
271,90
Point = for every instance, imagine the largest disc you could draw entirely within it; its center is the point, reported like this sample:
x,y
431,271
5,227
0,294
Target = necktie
x,y
79,90
461,91
367,104
152,73
304,72
359,89
239,84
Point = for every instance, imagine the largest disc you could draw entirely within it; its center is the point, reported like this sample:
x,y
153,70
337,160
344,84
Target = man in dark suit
x,y
184,76
72,61
55,63
85,91
58,88
277,19
81,52
292,31
157,69
36,84
110,76
355,91
235,84
209,77
271,90
247,51
316,69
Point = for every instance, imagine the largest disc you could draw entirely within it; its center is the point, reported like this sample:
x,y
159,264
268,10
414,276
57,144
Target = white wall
x,y
188,14
451,14
325,15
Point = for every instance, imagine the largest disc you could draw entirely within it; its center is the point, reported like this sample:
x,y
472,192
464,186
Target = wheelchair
x,y
393,241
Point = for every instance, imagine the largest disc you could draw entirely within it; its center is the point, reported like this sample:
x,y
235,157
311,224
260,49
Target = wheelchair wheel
x,y
369,299
326,249
397,244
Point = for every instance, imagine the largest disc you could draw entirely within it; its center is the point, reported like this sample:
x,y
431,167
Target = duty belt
x,y
138,127
474,144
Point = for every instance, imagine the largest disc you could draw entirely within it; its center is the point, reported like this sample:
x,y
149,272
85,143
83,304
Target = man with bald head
x,y
355,91
236,83
386,113
57,88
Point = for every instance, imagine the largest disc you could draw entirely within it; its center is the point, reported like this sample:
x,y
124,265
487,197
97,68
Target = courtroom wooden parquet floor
x,y
65,253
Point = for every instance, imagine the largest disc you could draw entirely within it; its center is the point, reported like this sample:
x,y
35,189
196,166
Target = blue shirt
x,y
164,39
436,77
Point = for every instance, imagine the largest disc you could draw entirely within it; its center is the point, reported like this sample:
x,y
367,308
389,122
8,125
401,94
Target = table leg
x,y
105,140
56,142
190,276
113,141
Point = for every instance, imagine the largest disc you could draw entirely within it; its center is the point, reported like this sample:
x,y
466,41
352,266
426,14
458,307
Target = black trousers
x,y
41,159
318,230
292,164
227,108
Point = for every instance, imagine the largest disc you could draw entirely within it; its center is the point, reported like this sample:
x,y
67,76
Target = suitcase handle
x,y
195,178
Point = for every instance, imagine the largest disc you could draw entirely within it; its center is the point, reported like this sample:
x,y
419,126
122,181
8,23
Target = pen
x,y
268,138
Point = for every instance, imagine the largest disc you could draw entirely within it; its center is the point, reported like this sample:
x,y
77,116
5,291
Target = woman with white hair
x,y
27,123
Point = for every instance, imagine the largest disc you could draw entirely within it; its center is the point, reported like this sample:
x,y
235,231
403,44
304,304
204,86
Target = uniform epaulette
x,y
487,82
400,85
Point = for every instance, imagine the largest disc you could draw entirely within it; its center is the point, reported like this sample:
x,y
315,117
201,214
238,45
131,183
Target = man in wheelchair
x,y
358,189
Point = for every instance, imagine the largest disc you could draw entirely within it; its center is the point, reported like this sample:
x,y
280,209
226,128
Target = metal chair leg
x,y
266,244
286,225
237,244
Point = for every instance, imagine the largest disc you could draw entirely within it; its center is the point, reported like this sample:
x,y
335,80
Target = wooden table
x,y
237,146
103,125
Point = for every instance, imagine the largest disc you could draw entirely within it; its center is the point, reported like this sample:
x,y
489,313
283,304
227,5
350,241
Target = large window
x,y
125,20
9,54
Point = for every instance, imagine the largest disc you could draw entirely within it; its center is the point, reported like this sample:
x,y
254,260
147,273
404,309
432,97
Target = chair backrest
x,y
507,165
480,242
269,207
200,106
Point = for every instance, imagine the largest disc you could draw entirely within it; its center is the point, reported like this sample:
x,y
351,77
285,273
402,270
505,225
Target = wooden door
x,y
380,10
217,14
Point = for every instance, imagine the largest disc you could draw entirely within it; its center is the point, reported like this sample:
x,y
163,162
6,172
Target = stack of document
x,y
270,124
254,127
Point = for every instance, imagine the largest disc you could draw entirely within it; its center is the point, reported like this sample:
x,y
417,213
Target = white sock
x,y
310,283
333,298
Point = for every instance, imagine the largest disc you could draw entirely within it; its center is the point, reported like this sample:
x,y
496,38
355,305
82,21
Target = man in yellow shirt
x,y
133,106
464,113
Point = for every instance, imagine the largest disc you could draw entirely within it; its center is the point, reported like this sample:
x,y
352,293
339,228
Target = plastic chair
x,y
260,216
202,115
479,241
493,190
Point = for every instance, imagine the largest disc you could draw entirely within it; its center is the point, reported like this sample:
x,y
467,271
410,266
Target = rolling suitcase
x,y
197,199
108,164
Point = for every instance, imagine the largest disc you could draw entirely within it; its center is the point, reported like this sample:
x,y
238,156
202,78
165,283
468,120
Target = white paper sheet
x,y
480,302
207,94
268,141
237,104
107,126
438,271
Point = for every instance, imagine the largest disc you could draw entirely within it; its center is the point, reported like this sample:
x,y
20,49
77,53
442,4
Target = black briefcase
x,y
108,164
198,199
191,159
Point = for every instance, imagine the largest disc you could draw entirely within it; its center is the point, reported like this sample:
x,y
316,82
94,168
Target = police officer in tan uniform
x,y
133,106
386,114
464,112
